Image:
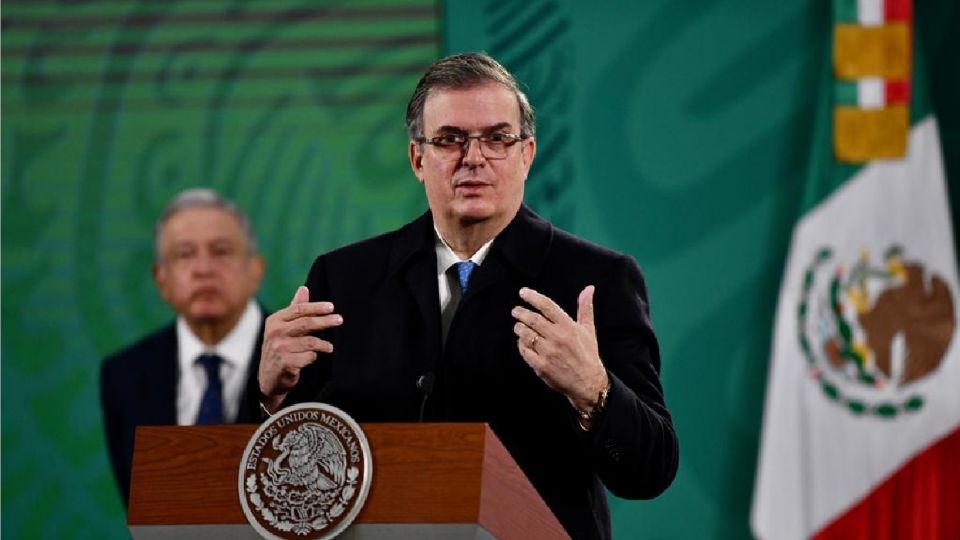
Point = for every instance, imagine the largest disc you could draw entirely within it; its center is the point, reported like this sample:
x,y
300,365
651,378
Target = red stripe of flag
x,y
921,500
897,92
898,10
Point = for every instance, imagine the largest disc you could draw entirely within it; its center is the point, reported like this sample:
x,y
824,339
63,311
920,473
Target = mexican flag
x,y
861,429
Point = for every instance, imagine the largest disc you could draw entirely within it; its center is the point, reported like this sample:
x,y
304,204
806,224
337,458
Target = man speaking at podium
x,y
481,311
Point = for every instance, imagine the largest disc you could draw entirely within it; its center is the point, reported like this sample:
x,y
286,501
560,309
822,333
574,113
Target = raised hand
x,y
288,346
563,352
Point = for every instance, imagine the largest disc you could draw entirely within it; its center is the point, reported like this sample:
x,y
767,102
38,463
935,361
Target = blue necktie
x,y
464,269
211,404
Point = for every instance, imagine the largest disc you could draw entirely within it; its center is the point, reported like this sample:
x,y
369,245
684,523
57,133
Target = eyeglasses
x,y
493,145
220,254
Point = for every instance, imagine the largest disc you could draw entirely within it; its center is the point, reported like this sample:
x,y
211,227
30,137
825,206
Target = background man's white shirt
x,y
235,349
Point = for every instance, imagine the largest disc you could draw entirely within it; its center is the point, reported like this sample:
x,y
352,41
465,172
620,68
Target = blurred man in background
x,y
201,368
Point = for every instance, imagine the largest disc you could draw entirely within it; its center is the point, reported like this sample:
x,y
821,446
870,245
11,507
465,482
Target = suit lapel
x,y
489,273
159,383
523,246
413,260
421,279
249,410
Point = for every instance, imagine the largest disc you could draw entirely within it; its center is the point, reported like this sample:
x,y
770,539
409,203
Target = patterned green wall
x,y
680,132
675,131
295,109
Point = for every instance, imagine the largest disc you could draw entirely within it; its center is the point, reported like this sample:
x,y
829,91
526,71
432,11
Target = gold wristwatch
x,y
597,410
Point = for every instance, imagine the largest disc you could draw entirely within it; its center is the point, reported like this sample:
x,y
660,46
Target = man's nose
x,y
472,156
204,263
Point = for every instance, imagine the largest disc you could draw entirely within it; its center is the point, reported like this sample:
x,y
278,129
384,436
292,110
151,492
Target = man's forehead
x,y
201,239
205,213
480,106
202,222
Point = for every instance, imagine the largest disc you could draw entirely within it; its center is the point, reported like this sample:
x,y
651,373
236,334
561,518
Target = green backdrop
x,y
675,131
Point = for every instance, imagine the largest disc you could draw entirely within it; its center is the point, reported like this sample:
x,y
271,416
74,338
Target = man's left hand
x,y
563,352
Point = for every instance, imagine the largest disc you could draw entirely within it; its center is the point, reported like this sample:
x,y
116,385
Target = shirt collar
x,y
235,348
447,258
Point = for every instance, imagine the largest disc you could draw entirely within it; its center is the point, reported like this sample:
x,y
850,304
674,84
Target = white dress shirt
x,y
450,293
236,348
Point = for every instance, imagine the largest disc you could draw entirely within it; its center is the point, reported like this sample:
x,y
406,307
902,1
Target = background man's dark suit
x,y
139,388
386,290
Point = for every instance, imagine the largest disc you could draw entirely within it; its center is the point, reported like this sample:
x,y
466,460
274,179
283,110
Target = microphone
x,y
323,395
425,385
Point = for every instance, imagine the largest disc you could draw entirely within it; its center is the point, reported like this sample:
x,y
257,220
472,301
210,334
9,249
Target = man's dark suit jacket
x,y
386,290
138,387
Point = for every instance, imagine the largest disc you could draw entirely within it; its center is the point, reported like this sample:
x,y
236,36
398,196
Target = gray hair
x,y
201,198
462,71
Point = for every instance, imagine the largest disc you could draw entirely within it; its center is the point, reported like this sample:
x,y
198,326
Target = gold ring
x,y
533,343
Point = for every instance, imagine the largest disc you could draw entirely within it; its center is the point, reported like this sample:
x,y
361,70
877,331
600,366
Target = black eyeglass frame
x,y
452,141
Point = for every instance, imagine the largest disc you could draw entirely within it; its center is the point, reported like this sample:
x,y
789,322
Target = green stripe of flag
x,y
845,92
845,11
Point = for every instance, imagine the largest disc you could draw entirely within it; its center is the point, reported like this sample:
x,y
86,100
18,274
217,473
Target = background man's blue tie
x,y
211,404
464,269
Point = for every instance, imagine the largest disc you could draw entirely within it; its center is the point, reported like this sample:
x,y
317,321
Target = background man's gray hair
x,y
465,71
201,198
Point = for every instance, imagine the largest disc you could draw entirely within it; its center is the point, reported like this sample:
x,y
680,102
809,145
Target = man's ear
x,y
160,278
258,267
528,152
416,159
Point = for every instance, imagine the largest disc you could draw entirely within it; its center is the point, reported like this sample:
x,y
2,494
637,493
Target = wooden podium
x,y
429,481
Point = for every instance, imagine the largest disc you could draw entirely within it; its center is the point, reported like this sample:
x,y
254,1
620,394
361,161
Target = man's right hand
x,y
288,346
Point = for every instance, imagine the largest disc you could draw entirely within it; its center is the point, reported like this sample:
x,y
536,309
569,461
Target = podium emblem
x,y
305,473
